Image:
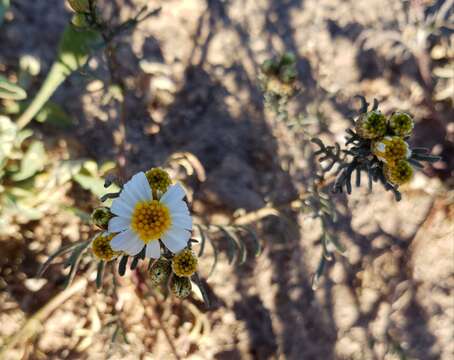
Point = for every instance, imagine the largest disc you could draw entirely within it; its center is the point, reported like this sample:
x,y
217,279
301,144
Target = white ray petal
x,y
141,186
175,192
121,208
128,242
178,207
183,221
153,250
176,239
121,242
129,197
135,247
131,192
118,223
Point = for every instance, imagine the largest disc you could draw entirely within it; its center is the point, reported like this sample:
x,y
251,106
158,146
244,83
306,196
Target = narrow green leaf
x,y
32,162
326,253
318,273
253,234
54,114
135,260
4,5
9,90
242,255
202,239
122,265
74,261
215,256
232,246
88,182
203,291
61,251
100,274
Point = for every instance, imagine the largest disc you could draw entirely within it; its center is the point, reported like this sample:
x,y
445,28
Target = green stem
x,y
57,74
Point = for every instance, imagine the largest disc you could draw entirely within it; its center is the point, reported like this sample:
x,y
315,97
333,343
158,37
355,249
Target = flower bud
x,y
288,58
278,87
184,263
101,216
287,74
371,125
269,67
398,173
160,272
80,6
102,249
79,21
181,287
401,124
158,179
390,149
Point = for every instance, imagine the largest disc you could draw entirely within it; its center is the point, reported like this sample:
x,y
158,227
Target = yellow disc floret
x,y
150,220
101,247
398,173
158,179
184,264
391,149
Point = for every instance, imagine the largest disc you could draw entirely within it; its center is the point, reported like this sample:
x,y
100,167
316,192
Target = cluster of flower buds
x,y
388,142
279,75
149,218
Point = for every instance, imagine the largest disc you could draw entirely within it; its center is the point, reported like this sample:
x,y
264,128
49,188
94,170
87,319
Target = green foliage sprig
x,y
361,155
376,146
87,32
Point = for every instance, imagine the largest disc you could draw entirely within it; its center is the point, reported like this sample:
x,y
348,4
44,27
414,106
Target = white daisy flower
x,y
143,221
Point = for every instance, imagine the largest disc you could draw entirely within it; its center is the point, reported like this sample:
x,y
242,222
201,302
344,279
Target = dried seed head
x,y
181,287
160,272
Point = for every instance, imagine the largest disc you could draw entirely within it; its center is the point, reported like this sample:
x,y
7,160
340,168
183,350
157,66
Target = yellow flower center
x,y
150,220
